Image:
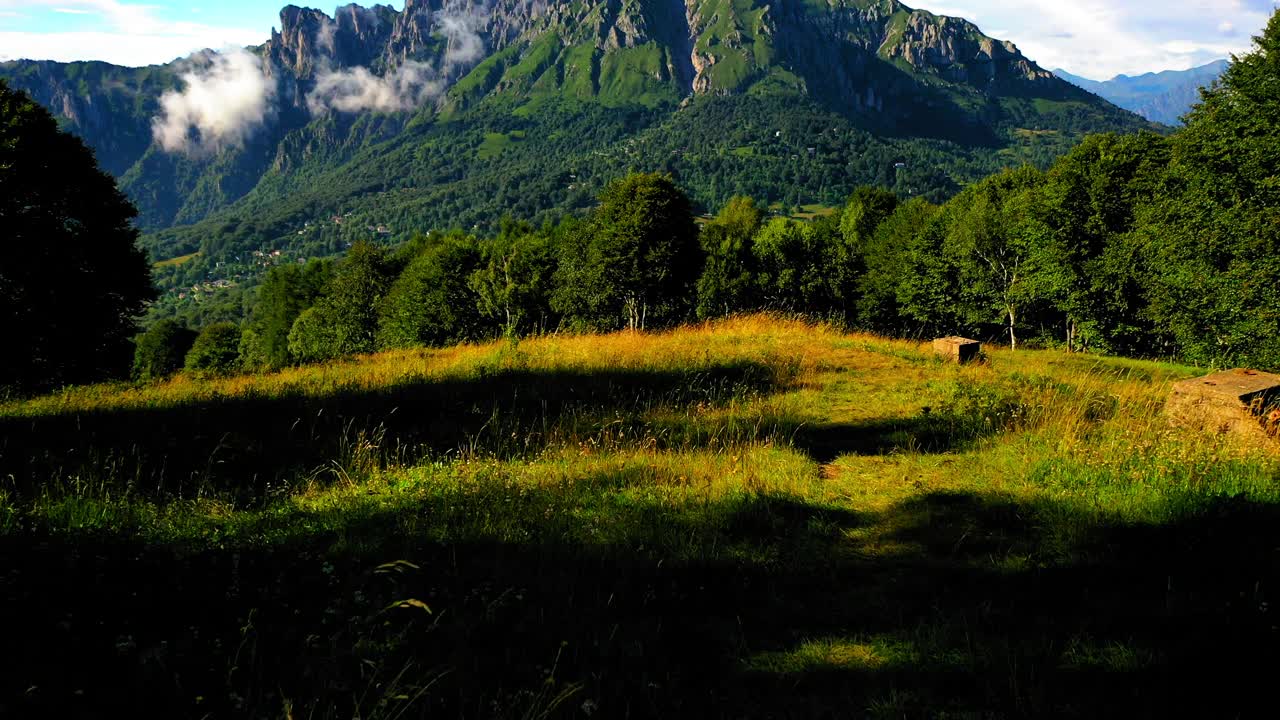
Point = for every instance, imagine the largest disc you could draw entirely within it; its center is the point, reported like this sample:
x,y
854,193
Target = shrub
x,y
216,351
160,351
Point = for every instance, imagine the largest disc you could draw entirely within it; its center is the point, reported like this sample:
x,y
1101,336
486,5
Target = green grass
x,y
632,76
495,144
180,260
758,517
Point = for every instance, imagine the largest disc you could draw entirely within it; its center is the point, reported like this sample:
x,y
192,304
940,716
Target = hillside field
x,y
759,517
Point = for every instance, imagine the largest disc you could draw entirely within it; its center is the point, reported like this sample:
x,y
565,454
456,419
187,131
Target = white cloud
x,y
130,34
461,31
226,97
1104,38
409,86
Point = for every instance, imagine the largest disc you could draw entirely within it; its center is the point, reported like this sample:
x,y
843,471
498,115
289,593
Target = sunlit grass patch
x,y
872,653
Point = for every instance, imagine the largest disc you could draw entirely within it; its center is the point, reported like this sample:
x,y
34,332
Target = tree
x,y
513,282
971,266
344,321
285,292
578,295
161,350
312,338
886,257
72,278
987,239
1214,230
928,293
1088,263
431,303
794,273
727,283
642,258
216,350
866,209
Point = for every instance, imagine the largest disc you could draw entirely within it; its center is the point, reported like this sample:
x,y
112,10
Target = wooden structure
x,y
958,349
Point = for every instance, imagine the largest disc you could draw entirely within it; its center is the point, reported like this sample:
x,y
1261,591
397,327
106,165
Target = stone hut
x,y
1238,402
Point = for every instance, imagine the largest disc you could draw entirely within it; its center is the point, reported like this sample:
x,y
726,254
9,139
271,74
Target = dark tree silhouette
x,y
72,278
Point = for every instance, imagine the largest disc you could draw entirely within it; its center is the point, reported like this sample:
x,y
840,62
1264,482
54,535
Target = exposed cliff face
x,y
705,46
958,51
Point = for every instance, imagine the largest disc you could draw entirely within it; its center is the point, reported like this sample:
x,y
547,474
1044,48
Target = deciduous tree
x,y
72,278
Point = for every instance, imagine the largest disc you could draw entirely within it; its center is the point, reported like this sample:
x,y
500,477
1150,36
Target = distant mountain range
x,y
452,113
1162,97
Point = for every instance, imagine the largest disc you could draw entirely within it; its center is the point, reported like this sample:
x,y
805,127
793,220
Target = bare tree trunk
x,y
633,315
1013,337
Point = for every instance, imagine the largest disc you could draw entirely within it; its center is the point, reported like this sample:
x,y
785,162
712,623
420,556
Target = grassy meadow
x,y
759,517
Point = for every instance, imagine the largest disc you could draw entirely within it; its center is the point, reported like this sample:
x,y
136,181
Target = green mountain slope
x,y
455,113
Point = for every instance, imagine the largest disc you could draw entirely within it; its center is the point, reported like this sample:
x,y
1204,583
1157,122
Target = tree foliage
x,y
72,278
728,281
285,292
642,257
344,320
216,350
432,302
1214,232
162,350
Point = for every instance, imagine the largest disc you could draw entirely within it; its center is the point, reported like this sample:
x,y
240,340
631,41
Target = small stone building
x,y
1238,402
958,349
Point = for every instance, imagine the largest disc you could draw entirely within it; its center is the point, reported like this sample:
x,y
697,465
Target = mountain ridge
x,y
432,112
1162,97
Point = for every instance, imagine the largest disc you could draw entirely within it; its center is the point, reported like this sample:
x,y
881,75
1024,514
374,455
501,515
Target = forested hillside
x,y
377,123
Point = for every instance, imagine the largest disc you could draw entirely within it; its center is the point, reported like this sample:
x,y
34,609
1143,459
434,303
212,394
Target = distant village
x,y
226,274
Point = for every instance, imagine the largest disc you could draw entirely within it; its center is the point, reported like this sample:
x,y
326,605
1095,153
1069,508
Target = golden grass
x,y
764,339
1045,425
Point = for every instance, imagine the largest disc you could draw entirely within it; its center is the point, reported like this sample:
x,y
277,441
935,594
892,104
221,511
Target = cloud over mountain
x,y
226,96
409,85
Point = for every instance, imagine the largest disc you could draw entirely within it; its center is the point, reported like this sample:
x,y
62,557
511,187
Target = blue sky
x,y
1093,38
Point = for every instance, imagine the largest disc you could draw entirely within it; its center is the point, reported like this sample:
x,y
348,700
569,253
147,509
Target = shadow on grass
x,y
927,434
964,606
249,445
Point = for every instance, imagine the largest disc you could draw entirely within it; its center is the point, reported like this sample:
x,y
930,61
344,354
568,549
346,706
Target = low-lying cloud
x,y
461,31
410,85
226,97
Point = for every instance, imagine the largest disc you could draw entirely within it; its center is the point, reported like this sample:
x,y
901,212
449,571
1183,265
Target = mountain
x,y
452,113
1162,97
